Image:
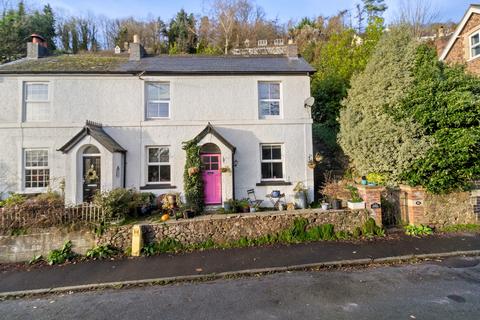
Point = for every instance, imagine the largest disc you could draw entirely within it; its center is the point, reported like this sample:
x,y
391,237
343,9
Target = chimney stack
x,y
137,51
292,50
37,47
441,32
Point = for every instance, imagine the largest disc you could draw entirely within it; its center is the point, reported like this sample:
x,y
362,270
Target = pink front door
x,y
212,178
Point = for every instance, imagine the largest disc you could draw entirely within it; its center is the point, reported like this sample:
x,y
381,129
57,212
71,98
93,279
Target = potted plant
x,y
334,191
225,169
355,202
244,205
325,205
311,164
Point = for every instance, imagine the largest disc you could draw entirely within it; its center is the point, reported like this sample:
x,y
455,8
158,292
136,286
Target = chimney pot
x,y
37,47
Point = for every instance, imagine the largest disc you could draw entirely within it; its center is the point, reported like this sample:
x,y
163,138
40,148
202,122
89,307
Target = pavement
x,y
437,290
217,263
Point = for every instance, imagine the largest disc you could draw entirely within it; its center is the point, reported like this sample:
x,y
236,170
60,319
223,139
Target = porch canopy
x,y
107,163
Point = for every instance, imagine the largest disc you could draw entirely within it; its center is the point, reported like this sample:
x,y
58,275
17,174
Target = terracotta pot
x,y
312,164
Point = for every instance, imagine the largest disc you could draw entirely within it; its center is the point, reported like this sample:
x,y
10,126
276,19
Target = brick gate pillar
x,y
414,207
372,195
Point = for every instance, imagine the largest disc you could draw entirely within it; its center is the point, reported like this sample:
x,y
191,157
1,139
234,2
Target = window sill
x,y
157,187
274,183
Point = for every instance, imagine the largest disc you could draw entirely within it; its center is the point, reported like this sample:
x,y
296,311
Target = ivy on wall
x,y
192,177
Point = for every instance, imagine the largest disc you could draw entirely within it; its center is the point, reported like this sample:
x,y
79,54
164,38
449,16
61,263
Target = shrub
x,y
122,203
103,251
417,230
322,232
59,256
167,245
14,199
370,229
192,181
461,227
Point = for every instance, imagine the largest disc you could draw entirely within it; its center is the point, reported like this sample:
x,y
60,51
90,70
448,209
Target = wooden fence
x,y
44,217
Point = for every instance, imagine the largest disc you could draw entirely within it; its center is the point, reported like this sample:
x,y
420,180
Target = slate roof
x,y
96,131
163,64
210,129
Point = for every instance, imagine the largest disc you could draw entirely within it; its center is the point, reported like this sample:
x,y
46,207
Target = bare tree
x,y
417,14
224,13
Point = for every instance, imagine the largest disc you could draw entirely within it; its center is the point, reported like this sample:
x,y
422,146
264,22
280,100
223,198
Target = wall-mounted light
x,y
309,102
235,163
117,172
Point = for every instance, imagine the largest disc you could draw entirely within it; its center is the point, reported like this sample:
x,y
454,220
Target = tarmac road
x,y
432,290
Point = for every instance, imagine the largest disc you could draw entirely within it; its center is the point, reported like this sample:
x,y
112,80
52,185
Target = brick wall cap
x,y
364,187
404,187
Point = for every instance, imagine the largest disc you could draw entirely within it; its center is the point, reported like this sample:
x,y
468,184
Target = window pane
x,y
263,90
157,110
475,39
164,173
37,178
274,108
264,108
36,158
266,170
153,174
277,170
153,155
266,152
277,152
37,92
37,111
214,166
158,91
476,51
274,90
164,154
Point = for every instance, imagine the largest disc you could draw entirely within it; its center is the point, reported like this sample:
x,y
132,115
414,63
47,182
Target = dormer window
x,y
36,100
157,100
475,45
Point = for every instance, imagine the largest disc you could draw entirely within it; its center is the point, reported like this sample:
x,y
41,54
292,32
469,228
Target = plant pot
x,y
336,204
172,199
245,209
325,206
227,206
275,194
300,201
192,171
356,205
188,214
318,157
311,164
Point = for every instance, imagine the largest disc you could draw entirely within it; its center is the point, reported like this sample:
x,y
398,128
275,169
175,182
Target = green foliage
x,y
102,251
181,33
354,196
325,232
370,229
59,256
14,199
167,245
35,259
122,203
193,183
445,102
370,136
417,230
377,178
16,25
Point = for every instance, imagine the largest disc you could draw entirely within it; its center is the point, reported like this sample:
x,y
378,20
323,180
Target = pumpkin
x,y
165,217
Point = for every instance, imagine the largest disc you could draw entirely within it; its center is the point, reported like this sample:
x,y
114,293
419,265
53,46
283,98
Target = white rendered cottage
x,y
99,122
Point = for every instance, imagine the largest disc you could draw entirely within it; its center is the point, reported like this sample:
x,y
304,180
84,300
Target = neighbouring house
x,y
463,46
89,122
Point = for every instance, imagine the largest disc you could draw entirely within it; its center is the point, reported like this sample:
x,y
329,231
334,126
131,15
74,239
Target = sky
x,y
448,10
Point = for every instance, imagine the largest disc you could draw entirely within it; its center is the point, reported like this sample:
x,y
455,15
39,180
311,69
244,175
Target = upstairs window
x,y
272,162
475,45
269,99
158,165
158,100
36,101
36,170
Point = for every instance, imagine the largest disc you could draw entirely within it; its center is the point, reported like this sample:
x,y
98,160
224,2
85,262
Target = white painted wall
x,y
228,102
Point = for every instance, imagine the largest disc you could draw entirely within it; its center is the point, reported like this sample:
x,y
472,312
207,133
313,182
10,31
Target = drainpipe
x,y
124,170
233,173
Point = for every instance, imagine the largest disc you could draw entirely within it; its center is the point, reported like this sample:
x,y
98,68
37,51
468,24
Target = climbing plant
x,y
192,177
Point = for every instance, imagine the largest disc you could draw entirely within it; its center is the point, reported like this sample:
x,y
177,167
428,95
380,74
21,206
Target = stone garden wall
x,y
224,228
25,247
449,209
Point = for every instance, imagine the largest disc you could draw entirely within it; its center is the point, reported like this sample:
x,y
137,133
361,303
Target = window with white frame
x,y
272,161
36,101
157,100
36,170
158,165
269,99
475,45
